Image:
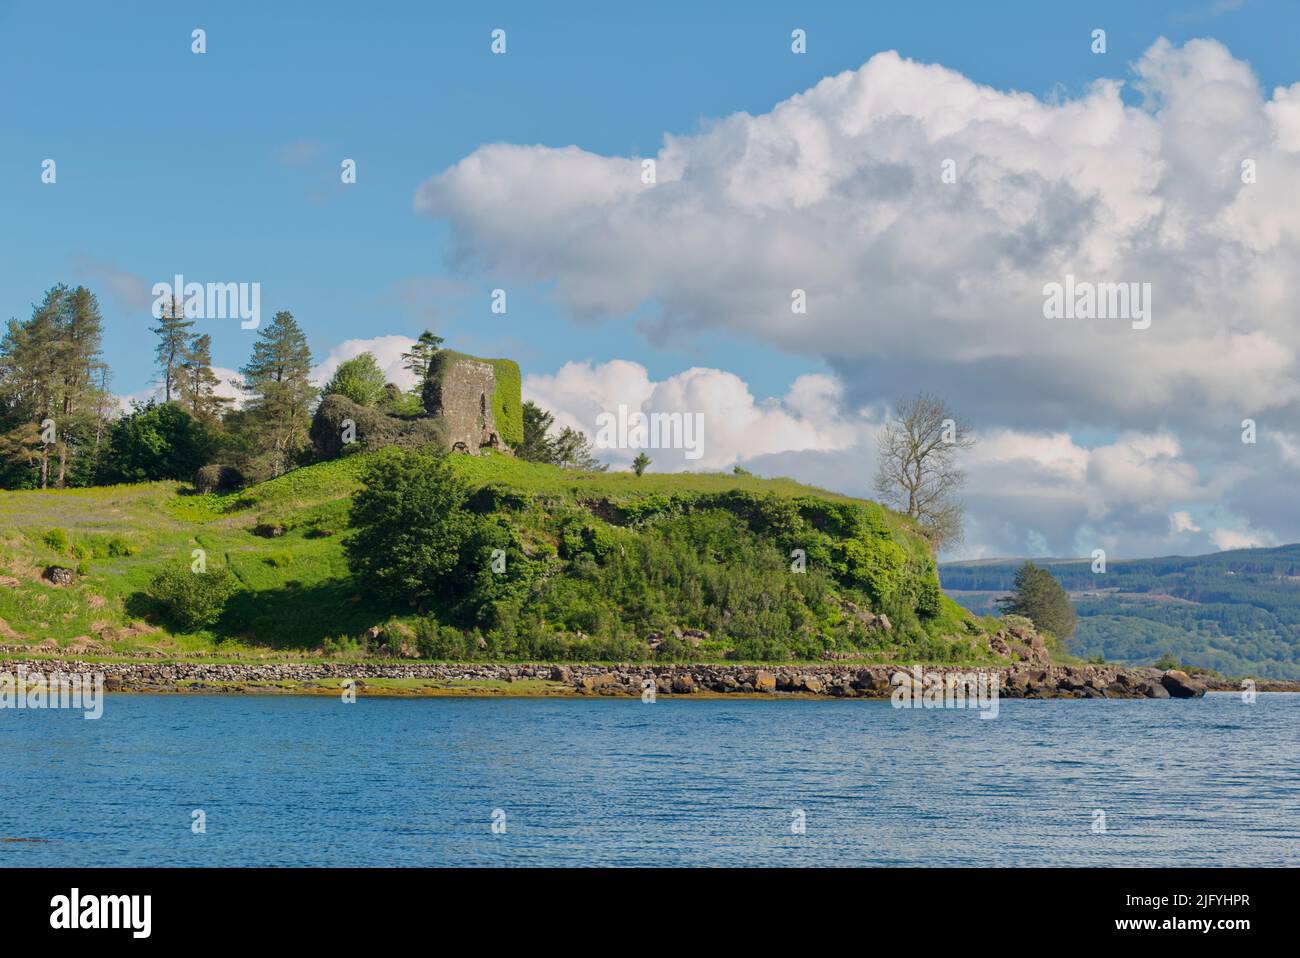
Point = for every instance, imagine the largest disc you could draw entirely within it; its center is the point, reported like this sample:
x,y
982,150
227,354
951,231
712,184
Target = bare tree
x,y
918,472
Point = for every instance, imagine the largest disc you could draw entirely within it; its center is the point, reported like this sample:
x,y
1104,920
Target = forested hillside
x,y
1236,611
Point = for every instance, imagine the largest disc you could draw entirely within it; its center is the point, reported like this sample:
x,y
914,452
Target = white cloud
x,y
1233,539
836,190
387,351
230,387
736,426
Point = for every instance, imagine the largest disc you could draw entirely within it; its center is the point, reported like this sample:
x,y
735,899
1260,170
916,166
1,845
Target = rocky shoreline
x,y
803,680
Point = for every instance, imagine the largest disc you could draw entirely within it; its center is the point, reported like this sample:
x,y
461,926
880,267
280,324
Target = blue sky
x,y
225,166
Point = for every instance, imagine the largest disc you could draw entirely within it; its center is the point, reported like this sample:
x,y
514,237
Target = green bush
x,y
411,526
192,600
434,641
57,540
156,442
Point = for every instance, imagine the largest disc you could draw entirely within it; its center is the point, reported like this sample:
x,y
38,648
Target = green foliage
x,y
1040,598
1167,661
507,407
410,526
359,379
57,540
278,414
594,563
640,463
719,562
537,446
156,442
192,600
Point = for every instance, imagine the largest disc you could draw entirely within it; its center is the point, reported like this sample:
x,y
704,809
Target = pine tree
x,y
1042,600
418,358
197,383
573,451
276,376
49,366
173,339
538,446
79,364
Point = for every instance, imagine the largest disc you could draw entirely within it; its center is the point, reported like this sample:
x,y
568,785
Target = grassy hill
x,y
1236,611
615,558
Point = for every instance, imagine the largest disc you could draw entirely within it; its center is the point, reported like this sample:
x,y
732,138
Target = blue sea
x,y
314,781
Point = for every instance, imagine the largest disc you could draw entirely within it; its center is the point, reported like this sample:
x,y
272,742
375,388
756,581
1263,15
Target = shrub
x,y
434,641
343,645
57,540
192,600
218,478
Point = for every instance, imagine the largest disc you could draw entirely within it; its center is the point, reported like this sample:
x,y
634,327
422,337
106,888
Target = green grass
x,y
295,589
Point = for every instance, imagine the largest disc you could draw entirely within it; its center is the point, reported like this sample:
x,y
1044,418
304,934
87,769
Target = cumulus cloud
x,y
231,386
913,282
1028,492
735,426
838,191
387,351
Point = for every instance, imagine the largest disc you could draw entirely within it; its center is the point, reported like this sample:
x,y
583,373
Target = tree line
x,y
62,427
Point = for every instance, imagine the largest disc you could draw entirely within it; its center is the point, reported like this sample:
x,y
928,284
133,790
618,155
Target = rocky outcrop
x,y
1180,685
806,679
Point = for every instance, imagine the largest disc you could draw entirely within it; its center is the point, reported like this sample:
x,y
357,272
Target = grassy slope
x,y
297,590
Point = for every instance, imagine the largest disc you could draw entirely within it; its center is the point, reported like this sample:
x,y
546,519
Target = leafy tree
x,y
537,446
196,383
411,524
276,376
173,332
572,449
359,379
156,441
918,471
1042,600
640,463
419,356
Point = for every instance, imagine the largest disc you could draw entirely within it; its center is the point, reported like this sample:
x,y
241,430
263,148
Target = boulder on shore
x,y
1180,685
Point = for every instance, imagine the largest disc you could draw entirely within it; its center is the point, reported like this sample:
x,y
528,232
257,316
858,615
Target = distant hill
x,y
1236,611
